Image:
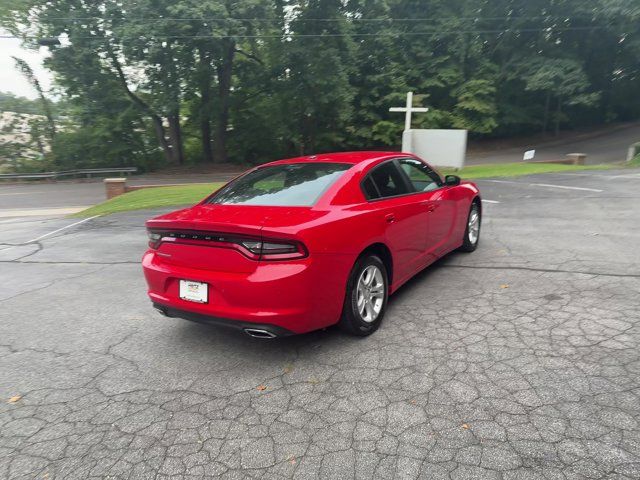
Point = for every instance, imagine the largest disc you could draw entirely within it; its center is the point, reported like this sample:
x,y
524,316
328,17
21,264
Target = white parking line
x,y
626,175
599,175
565,187
502,181
49,234
489,201
549,185
63,228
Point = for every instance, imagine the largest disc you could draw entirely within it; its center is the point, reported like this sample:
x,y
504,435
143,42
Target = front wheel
x,y
366,297
472,232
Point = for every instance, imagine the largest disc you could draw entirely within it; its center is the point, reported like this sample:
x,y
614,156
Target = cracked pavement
x,y
518,361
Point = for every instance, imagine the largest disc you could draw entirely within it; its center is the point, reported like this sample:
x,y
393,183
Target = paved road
x,y
610,146
518,361
36,196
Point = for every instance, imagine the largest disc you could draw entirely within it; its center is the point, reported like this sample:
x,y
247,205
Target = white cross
x,y
409,109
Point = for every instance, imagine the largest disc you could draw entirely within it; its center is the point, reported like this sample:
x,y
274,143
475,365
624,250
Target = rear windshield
x,y
294,184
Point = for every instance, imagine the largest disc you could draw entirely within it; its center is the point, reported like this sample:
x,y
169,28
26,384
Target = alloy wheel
x,y
473,226
370,293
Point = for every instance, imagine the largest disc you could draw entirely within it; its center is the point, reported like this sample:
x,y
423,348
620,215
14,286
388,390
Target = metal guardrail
x,y
87,172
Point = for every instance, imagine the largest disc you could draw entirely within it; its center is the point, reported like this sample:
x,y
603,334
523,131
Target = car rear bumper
x,y
251,328
280,297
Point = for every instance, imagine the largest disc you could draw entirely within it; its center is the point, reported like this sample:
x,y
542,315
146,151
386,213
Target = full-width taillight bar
x,y
254,248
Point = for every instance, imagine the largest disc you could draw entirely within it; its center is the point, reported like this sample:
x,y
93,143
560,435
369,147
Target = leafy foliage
x,y
13,103
153,81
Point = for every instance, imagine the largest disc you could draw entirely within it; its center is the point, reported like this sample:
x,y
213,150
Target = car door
x,y
435,198
405,232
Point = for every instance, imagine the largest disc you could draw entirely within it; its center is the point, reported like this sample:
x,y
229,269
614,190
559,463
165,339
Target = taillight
x,y
251,247
154,239
275,249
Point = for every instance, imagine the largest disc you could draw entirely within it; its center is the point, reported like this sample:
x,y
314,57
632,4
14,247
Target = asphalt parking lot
x,y
520,360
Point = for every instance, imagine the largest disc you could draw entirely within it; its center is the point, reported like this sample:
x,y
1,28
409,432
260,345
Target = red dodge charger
x,y
297,245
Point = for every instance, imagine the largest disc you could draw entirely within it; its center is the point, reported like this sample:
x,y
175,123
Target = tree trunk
x,y
158,127
547,104
40,144
47,111
225,70
558,113
464,56
26,70
205,134
175,137
205,104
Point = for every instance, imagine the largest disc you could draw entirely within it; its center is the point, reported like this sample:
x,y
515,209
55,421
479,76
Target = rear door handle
x,y
390,218
430,206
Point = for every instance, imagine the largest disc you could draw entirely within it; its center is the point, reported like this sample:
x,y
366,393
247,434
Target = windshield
x,y
296,184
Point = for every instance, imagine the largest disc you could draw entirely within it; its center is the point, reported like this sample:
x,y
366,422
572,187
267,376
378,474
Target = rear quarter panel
x,y
334,242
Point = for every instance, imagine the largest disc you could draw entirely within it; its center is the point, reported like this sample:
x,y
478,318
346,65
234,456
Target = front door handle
x,y
390,218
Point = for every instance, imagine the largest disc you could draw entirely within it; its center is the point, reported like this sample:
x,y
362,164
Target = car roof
x,y
341,157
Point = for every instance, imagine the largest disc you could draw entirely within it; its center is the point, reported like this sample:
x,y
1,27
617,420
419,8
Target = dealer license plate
x,y
194,291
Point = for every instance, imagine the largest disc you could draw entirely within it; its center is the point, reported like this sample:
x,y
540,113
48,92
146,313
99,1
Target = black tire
x,y
467,244
351,320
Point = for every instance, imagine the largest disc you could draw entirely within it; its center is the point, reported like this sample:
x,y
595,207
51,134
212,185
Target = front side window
x,y
294,184
421,176
387,180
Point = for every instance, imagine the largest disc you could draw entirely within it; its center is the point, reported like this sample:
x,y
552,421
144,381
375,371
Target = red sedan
x,y
297,245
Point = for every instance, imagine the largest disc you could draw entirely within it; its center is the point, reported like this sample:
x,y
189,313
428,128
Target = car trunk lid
x,y
207,236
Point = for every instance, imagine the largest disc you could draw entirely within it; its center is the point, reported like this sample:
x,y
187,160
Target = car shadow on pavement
x,y
201,335
196,335
212,335
420,277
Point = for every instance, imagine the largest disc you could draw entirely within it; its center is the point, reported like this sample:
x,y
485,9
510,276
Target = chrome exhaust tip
x,y
259,333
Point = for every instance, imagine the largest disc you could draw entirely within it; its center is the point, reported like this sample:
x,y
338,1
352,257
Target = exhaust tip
x,y
162,310
259,333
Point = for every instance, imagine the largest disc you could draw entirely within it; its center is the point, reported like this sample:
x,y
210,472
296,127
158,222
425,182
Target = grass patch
x,y
635,161
191,194
518,169
152,198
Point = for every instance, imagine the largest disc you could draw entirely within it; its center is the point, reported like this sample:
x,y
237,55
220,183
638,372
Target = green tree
x,y
13,103
27,71
318,63
562,79
249,81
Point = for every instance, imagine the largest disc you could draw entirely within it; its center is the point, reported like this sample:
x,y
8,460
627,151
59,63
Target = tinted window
x,y
296,184
369,188
421,176
388,180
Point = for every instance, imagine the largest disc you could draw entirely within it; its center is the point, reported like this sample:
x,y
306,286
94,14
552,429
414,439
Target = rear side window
x,y
295,184
420,175
388,181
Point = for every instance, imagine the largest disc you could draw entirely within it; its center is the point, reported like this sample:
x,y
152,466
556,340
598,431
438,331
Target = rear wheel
x,y
472,232
366,297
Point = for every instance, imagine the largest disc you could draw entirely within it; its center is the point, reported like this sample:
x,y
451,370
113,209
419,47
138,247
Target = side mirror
x,y
452,180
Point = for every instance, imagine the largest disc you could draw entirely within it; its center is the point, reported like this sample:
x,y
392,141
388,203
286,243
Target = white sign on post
x,y
442,148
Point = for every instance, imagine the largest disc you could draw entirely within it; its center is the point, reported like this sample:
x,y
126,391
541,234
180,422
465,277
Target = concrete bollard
x,y
634,150
577,158
115,186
